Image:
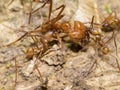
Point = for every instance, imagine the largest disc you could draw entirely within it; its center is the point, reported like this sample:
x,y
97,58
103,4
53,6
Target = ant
x,y
98,39
51,29
111,23
41,40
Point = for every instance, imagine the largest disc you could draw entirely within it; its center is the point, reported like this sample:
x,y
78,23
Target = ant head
x,y
110,22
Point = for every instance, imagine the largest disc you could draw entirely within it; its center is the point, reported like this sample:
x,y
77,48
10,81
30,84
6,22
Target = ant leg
x,y
35,40
113,34
42,40
92,22
26,33
51,22
54,20
10,2
113,37
39,8
59,41
118,65
115,43
50,10
36,67
16,40
92,30
30,14
16,69
62,7
16,72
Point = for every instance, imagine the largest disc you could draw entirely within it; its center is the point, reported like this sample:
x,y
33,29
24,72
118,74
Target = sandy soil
x,y
60,69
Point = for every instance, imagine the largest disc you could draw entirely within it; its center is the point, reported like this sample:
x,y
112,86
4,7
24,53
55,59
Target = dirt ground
x,y
60,69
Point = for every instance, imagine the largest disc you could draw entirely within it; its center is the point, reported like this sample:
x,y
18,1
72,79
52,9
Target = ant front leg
x,y
25,34
16,70
38,52
16,40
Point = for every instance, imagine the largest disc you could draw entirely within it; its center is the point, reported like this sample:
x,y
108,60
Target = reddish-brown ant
x,y
111,23
41,44
52,28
